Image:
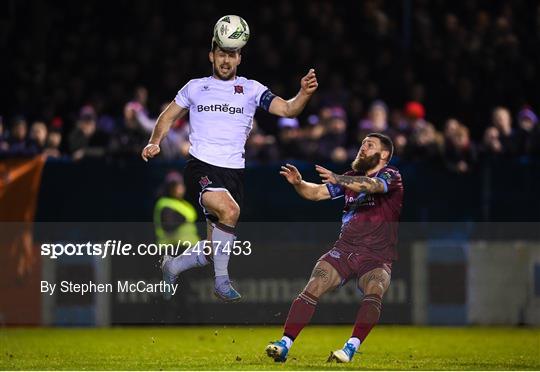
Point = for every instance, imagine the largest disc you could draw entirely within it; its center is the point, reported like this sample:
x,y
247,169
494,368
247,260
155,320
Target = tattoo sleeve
x,y
321,273
361,183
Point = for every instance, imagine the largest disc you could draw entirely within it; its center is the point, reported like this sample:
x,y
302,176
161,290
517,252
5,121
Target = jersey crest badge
x,y
238,89
204,182
386,176
335,254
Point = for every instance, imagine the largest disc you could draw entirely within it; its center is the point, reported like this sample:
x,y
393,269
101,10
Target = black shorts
x,y
201,177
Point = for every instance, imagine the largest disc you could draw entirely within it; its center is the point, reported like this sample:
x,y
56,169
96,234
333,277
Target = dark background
x,y
459,59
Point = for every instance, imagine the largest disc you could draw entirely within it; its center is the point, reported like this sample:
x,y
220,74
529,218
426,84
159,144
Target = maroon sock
x,y
368,316
300,314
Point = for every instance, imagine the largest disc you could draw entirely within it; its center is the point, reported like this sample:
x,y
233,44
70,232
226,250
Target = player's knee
x,y
228,212
317,287
375,287
231,213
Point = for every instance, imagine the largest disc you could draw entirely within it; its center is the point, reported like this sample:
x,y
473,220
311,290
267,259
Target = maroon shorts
x,y
354,265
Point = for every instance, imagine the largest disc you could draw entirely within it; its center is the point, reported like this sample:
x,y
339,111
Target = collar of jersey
x,y
224,81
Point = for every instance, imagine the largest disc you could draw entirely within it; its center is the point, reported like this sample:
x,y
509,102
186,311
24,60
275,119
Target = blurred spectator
x,y
136,111
83,140
17,133
526,132
18,143
290,138
38,135
502,120
377,120
312,136
399,132
460,153
54,141
425,144
57,123
332,145
328,112
3,143
176,142
138,125
491,143
261,147
339,155
414,115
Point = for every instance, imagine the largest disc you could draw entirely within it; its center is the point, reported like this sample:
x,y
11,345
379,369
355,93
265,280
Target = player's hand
x,y
308,83
291,174
150,151
327,175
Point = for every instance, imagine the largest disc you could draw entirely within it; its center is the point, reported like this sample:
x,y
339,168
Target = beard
x,y
227,76
364,163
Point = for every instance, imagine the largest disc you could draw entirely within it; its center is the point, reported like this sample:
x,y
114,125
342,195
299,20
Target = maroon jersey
x,y
370,221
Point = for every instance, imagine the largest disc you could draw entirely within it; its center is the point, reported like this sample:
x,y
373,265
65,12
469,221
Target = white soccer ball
x,y
231,32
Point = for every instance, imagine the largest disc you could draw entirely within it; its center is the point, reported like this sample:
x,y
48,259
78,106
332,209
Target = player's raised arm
x,y
370,185
307,190
294,106
172,113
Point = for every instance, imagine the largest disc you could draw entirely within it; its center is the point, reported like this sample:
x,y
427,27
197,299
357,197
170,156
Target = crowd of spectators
x,y
450,83
325,136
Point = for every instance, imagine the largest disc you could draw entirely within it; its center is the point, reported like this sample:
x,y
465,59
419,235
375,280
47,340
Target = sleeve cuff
x,y
335,191
181,104
384,183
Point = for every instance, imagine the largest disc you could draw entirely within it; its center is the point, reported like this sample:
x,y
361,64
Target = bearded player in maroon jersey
x,y
366,246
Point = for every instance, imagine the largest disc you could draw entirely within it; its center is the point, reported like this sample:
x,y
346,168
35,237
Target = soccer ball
x,y
231,32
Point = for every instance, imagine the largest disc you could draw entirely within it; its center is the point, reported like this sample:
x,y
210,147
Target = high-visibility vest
x,y
186,231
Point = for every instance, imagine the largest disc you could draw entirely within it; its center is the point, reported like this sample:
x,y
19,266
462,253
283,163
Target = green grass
x,y
231,347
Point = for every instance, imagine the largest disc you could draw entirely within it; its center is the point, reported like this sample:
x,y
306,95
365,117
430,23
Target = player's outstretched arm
x,y
172,113
370,185
307,190
294,106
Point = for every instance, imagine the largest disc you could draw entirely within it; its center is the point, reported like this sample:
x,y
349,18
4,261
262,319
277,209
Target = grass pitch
x,y
233,348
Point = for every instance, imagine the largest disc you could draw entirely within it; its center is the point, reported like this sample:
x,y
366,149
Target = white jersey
x,y
220,117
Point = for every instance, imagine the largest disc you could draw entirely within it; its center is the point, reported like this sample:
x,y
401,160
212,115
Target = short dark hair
x,y
216,46
386,143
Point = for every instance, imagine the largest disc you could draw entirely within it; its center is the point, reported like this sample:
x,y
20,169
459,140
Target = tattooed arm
x,y
370,185
360,183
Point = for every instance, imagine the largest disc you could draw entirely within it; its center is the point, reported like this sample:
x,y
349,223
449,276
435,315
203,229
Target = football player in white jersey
x,y
221,109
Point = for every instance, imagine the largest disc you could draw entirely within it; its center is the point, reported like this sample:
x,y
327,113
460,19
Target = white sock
x,y
192,257
288,341
355,341
221,240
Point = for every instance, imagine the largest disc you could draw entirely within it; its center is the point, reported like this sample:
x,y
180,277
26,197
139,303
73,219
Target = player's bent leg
x,y
222,205
194,256
375,281
323,279
374,284
168,276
